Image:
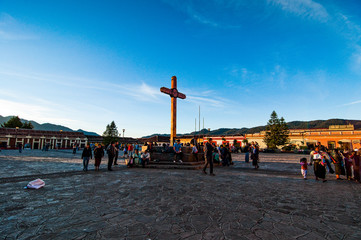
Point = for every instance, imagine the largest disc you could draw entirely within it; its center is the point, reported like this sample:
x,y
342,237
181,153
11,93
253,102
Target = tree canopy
x,y
111,133
276,132
15,122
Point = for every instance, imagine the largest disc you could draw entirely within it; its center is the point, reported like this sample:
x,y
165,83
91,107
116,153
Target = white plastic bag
x,y
36,184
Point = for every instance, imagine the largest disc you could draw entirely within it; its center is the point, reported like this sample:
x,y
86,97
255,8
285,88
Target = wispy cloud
x,y
352,103
210,12
304,8
140,91
11,29
356,60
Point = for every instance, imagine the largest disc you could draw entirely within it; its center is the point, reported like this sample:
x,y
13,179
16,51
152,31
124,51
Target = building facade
x,y
10,138
336,136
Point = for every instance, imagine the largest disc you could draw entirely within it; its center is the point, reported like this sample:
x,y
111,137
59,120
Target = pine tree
x,y
111,133
276,132
27,125
13,122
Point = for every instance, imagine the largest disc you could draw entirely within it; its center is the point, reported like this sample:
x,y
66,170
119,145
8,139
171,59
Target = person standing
x,y
130,150
111,154
208,151
20,146
86,155
246,149
338,163
98,155
319,167
116,153
74,148
178,151
255,155
355,166
194,152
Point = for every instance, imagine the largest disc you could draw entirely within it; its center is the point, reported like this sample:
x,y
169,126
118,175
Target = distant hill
x,y
87,133
291,125
47,126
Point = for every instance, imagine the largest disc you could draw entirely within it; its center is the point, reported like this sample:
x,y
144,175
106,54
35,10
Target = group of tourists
x,y
252,150
131,154
346,163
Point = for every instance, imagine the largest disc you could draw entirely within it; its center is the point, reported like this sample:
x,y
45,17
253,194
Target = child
x,y
303,163
194,152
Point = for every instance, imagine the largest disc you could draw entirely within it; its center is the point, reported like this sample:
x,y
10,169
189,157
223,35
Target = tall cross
x,y
174,94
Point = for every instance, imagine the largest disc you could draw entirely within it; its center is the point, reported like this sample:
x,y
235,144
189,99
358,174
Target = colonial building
x,y
336,136
37,139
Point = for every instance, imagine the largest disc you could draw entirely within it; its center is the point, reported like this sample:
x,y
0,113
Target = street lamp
x,y
123,133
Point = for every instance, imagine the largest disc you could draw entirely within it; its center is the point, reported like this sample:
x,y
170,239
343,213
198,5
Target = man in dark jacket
x,y
111,154
86,155
208,151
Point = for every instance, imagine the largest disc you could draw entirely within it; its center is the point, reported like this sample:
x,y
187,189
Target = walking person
x,y
208,151
111,154
303,163
98,155
86,155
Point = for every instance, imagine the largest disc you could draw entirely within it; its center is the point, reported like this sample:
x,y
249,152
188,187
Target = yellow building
x,y
344,136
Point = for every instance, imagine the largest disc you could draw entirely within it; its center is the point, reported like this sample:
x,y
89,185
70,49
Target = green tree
x,y
27,125
13,122
276,132
111,133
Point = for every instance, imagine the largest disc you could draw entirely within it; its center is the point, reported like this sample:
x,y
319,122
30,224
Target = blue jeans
x,y
85,163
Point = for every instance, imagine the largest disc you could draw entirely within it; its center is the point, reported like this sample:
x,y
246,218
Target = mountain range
x,y
217,132
48,126
291,125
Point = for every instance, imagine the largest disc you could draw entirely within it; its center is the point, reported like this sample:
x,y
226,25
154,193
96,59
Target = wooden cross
x,y
174,94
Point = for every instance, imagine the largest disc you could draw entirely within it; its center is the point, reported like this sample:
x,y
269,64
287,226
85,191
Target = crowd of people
x,y
131,154
346,163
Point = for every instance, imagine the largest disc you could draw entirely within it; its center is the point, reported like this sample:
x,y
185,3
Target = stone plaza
x,y
273,202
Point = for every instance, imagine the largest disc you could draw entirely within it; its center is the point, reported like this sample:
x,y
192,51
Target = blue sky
x,y
85,63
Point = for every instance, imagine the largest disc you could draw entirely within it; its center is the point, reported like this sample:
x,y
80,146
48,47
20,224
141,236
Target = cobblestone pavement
x,y
273,202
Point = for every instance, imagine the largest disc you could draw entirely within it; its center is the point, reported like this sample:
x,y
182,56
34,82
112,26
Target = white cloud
x,y
352,103
11,29
304,8
211,12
